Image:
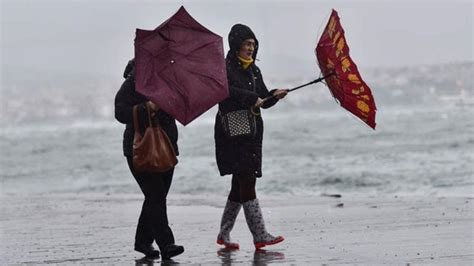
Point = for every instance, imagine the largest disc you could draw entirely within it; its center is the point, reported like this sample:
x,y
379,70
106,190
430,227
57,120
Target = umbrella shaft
x,y
304,85
312,82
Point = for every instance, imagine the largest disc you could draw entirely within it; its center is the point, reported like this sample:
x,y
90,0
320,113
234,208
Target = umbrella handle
x,y
304,85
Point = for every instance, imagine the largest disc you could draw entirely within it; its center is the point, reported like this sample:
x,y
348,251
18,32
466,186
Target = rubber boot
x,y
229,215
253,215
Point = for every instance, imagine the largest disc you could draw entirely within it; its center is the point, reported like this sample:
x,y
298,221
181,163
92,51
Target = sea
x,y
61,137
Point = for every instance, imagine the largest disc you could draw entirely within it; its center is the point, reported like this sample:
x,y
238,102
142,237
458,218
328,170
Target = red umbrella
x,y
341,74
180,66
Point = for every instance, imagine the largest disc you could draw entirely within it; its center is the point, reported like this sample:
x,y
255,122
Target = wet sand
x,y
99,229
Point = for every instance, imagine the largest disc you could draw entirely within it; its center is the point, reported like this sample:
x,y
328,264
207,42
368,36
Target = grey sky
x,y
97,36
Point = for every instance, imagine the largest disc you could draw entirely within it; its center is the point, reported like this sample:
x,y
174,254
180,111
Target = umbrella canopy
x,y
344,80
181,67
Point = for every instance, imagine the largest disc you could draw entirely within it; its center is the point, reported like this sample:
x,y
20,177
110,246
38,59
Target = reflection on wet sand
x,y
150,262
260,256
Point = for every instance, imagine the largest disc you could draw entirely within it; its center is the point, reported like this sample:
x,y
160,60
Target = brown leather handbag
x,y
152,152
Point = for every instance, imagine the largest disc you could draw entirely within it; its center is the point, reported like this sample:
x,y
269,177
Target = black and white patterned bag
x,y
240,123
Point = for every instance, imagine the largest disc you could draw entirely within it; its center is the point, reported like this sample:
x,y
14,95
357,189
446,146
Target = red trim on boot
x,y
228,245
278,239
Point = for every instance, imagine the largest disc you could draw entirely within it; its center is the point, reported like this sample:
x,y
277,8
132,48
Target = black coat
x,y
125,99
241,155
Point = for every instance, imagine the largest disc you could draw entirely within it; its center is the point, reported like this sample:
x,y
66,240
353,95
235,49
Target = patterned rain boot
x,y
231,211
253,215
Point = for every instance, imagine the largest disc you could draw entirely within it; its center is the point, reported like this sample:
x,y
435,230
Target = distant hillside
x,y
450,83
32,95
423,84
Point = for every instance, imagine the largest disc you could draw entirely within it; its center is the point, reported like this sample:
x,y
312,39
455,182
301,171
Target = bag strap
x,y
135,119
149,114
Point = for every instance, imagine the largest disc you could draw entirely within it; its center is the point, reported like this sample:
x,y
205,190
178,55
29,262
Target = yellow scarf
x,y
245,62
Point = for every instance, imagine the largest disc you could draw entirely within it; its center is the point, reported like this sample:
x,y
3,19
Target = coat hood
x,y
129,69
237,35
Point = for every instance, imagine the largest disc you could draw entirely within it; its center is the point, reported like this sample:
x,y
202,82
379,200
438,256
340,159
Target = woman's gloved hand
x,y
153,106
280,93
259,102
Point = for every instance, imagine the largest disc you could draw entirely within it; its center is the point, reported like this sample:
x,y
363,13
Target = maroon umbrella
x,y
180,66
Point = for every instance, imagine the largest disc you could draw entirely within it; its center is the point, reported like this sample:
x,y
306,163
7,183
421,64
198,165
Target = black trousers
x,y
153,220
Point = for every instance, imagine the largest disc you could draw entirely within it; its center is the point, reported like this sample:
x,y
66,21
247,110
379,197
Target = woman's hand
x,y
259,103
153,106
280,93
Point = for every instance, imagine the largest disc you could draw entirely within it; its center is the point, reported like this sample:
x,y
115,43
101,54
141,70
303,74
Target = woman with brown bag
x,y
153,220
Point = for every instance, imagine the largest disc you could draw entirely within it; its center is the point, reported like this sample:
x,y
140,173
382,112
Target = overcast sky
x,y
97,36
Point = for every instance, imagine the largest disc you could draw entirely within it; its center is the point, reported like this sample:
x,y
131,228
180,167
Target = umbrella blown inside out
x,y
342,76
181,67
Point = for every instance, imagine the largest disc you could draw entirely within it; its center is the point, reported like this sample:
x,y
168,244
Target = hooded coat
x,y
241,155
125,99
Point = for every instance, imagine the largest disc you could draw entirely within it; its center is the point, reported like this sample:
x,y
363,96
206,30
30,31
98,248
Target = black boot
x,y
171,250
148,250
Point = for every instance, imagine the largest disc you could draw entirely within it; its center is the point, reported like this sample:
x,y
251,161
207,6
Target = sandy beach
x,y
99,229
406,194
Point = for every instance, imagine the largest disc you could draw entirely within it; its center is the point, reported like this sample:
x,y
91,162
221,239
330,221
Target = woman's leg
x,y
234,194
231,211
253,214
153,221
167,179
168,237
144,233
247,187
155,203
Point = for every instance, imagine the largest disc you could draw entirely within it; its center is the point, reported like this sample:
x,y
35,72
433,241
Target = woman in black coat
x,y
153,220
241,157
